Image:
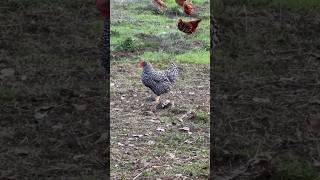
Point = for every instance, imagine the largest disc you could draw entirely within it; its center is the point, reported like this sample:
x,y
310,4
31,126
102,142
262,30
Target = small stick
x,y
137,175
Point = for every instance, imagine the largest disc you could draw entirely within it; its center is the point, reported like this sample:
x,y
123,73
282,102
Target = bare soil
x,y
52,92
266,84
150,144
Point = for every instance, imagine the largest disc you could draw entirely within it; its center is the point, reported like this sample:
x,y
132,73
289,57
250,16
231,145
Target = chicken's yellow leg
x,y
158,99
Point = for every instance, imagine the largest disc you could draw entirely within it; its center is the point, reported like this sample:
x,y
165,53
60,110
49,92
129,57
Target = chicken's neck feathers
x,y
148,68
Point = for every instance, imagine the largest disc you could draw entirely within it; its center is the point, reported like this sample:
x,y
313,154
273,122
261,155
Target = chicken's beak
x,y
139,64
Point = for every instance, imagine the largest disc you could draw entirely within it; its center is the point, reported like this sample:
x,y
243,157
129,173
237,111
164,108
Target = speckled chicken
x,y
160,82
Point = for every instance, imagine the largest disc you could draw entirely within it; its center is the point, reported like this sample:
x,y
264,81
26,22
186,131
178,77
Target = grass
x,y
155,35
156,56
199,57
202,117
198,169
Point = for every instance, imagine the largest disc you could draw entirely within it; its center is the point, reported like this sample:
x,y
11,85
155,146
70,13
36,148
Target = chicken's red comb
x,y
141,62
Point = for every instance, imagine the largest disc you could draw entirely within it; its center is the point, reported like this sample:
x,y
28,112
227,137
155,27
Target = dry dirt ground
x,y
52,91
266,84
169,143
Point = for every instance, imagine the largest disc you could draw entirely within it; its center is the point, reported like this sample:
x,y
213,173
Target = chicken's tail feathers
x,y
172,72
173,66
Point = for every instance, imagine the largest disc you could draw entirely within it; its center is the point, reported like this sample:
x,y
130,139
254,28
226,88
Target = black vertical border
x,y
213,61
105,57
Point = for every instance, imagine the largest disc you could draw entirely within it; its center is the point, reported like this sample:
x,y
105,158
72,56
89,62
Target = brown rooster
x,y
187,8
160,4
160,82
188,27
180,2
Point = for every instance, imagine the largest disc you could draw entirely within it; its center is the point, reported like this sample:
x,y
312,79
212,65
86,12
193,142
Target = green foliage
x,y
127,45
202,117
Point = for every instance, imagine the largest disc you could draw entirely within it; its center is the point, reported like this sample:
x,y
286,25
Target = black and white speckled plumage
x,y
105,51
160,82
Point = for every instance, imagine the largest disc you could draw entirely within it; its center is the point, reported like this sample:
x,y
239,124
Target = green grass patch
x,y
127,45
149,30
202,117
194,169
156,56
174,139
200,57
